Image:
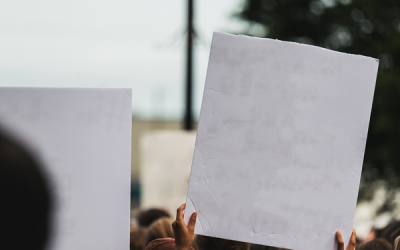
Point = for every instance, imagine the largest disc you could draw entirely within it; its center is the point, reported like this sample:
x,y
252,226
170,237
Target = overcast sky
x,y
111,43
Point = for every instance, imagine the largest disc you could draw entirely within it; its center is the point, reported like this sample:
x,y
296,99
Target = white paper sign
x,y
280,143
84,138
165,168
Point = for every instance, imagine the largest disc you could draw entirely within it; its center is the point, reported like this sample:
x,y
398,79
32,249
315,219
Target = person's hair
x,y
161,228
163,244
389,230
25,199
395,235
146,217
397,243
137,238
205,243
376,244
261,247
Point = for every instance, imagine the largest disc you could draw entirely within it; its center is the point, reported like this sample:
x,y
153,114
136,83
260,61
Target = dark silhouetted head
x,y
25,200
146,217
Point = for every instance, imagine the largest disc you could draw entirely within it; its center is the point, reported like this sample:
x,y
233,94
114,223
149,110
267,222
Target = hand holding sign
x,y
281,124
184,235
352,242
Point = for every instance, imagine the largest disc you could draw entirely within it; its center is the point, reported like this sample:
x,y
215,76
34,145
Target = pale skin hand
x,y
352,242
184,235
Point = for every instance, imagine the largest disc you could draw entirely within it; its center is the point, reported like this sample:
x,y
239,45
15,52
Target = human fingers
x,y
179,212
340,245
192,222
352,242
174,226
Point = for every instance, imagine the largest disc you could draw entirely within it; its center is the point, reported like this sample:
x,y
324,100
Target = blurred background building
x,y
142,45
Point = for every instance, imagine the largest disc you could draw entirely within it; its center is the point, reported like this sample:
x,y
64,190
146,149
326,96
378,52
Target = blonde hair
x,y
161,228
137,238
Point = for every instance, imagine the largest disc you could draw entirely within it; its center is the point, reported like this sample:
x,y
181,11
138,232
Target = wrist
x,y
182,247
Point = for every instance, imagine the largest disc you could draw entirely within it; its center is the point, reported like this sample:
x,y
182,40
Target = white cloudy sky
x,y
110,43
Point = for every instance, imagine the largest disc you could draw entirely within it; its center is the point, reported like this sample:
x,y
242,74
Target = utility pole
x,y
188,118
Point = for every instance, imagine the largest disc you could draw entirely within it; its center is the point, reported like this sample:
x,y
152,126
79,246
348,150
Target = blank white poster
x,y
280,143
83,136
165,158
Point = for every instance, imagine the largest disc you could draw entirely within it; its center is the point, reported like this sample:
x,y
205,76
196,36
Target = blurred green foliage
x,y
366,27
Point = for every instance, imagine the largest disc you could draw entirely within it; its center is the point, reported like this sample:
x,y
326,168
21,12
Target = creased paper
x,y
280,143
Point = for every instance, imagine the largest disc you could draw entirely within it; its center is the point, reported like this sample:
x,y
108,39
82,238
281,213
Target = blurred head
x,y
163,244
146,217
205,243
137,238
25,200
389,230
373,234
376,244
161,228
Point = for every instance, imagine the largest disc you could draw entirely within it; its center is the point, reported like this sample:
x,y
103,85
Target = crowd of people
x,y
156,230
